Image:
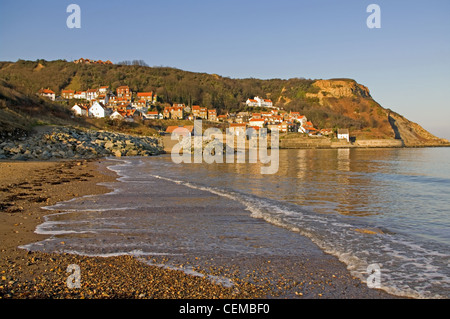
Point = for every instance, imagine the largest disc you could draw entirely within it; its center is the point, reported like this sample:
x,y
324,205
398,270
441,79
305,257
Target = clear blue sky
x,y
406,63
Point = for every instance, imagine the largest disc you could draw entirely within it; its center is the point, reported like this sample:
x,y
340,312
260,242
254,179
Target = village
x,y
126,105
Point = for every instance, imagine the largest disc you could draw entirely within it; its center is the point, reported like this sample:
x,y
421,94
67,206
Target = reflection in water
x,y
388,183
330,196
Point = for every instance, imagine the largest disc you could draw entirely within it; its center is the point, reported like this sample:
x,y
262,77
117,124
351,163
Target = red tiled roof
x,y
145,94
237,124
46,91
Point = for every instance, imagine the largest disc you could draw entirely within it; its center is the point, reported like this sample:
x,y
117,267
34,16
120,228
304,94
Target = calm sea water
x,y
389,207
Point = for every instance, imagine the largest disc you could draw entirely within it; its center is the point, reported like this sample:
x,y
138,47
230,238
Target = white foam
x,y
220,280
259,208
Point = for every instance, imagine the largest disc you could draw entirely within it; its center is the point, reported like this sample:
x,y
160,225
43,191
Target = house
x,y
97,110
91,94
177,112
104,90
115,101
257,122
116,116
326,131
127,114
47,93
237,129
302,120
167,111
308,128
196,111
203,113
272,127
252,103
275,119
80,110
152,115
145,96
266,103
242,117
212,115
139,104
81,95
187,130
173,112
103,98
259,102
67,94
222,118
283,127
124,91
343,134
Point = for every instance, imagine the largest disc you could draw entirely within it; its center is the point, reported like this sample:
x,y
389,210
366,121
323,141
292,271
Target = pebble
x,y
69,143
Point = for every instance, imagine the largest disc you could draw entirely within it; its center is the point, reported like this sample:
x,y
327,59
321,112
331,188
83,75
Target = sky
x,y
405,63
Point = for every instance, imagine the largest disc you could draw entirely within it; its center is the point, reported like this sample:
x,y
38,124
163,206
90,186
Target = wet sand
x,y
27,186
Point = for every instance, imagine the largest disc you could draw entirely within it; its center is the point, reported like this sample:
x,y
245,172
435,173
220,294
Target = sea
x,y
382,208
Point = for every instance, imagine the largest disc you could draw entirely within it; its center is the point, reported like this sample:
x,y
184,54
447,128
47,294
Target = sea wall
x,y
379,143
294,143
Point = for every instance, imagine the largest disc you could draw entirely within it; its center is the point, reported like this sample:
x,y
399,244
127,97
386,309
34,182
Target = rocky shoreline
x,y
72,143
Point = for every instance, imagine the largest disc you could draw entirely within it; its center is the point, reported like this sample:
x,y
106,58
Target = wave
x,y
400,258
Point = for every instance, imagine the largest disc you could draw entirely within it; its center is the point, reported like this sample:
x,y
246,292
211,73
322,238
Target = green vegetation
x,y
178,86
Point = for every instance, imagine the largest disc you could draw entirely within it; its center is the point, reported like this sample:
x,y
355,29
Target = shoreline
x,y
36,275
40,275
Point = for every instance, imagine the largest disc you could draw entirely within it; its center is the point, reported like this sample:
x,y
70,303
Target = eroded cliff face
x,y
353,100
412,134
339,89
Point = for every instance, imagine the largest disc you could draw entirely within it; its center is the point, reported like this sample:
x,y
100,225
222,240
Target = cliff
x,y
412,134
339,88
354,101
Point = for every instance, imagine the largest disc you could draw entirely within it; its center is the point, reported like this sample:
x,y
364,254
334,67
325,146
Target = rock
x,y
117,153
109,145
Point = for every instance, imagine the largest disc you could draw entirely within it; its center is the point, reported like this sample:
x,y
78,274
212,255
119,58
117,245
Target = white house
x,y
264,102
237,129
343,134
97,110
252,102
116,116
257,122
104,90
47,93
257,101
91,94
153,115
80,110
80,95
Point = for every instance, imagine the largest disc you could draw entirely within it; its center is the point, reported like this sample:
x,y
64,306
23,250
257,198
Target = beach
x,y
27,186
